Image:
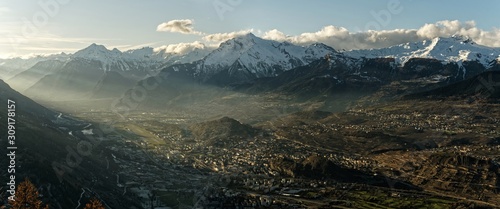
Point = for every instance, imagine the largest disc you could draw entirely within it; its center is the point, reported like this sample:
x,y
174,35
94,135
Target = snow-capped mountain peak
x,y
145,52
249,37
109,59
261,57
451,49
463,39
97,52
314,51
92,48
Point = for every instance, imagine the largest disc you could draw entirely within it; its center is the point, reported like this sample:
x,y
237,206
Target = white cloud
x,y
181,48
275,35
469,28
221,37
341,38
178,26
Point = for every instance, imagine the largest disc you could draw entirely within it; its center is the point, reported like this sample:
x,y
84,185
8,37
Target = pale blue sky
x,y
130,23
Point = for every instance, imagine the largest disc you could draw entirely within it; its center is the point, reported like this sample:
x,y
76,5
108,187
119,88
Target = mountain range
x,y
245,61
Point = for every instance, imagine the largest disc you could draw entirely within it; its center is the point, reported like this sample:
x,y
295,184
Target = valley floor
x,y
405,154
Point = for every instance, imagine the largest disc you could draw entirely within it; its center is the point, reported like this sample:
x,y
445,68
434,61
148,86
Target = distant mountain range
x,y
453,49
246,60
330,75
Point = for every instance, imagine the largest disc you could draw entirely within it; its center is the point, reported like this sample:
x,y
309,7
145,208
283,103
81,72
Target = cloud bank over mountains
x,y
221,37
181,48
341,38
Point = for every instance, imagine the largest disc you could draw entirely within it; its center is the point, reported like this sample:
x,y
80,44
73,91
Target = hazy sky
x,y
28,27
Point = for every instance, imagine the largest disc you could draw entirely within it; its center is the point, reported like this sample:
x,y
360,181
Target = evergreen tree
x,y
94,204
27,197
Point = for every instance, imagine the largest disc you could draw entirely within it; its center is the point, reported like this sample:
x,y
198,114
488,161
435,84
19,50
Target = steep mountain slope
x,y
29,77
42,139
111,85
14,66
77,79
25,105
486,85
